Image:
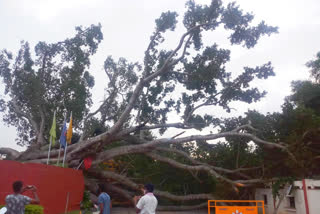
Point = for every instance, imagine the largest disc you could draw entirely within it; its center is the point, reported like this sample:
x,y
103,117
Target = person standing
x,y
104,201
148,203
15,203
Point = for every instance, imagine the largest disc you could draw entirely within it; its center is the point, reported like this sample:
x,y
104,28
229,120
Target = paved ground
x,y
117,210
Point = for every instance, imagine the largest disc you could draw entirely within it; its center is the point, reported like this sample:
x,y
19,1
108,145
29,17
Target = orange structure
x,y
239,207
111,165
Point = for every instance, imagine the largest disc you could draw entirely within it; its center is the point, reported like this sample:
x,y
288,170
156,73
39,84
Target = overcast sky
x,y
127,26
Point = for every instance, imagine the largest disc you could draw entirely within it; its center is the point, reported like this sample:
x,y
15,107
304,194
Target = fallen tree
x,y
142,101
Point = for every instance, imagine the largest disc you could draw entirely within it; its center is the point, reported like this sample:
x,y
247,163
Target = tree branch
x,y
207,103
183,207
196,162
40,137
132,185
117,126
156,126
109,154
188,167
247,126
186,45
225,134
10,153
151,42
43,161
137,91
25,115
92,186
173,53
33,155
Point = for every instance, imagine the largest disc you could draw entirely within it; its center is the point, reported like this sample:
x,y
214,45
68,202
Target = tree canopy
x,y
57,78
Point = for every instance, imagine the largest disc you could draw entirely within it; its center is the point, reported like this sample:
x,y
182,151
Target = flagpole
x,y
49,150
65,150
64,121
80,165
59,155
67,203
54,116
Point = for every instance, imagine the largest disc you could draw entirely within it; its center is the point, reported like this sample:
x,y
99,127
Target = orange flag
x,y
69,132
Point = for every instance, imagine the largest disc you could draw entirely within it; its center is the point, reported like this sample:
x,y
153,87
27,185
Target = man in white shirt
x,y
147,204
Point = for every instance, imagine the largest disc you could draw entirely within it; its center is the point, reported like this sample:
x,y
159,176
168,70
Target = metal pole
x,y
65,149
64,122
65,152
80,165
66,210
305,194
49,150
54,116
59,155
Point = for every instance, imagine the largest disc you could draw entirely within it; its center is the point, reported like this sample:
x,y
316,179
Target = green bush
x,y
74,212
61,165
31,209
78,211
86,203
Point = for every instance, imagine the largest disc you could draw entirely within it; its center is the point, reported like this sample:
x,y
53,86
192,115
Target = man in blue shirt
x,y
104,200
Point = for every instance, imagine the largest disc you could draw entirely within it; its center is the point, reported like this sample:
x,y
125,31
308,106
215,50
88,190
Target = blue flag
x,y
63,137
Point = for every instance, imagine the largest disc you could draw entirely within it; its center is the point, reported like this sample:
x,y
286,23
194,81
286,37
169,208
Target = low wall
x,y
54,184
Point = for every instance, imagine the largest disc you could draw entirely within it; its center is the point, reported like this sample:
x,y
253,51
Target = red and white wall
x,y
303,199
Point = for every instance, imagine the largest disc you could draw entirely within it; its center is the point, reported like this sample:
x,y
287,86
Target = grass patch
x,y
77,212
31,209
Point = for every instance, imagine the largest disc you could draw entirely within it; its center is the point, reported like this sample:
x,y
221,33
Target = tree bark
x,y
132,185
183,208
11,154
281,197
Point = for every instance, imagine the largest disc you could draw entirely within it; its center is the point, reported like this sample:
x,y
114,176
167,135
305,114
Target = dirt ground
x,y
117,210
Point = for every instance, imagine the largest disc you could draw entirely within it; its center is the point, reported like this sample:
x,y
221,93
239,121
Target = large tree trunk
x,y
123,186
281,198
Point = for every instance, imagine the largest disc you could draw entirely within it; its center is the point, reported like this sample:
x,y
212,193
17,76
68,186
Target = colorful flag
x,y
87,162
63,137
69,132
53,130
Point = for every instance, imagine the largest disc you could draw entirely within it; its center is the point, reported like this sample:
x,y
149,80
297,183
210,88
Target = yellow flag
x,y
53,130
69,132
